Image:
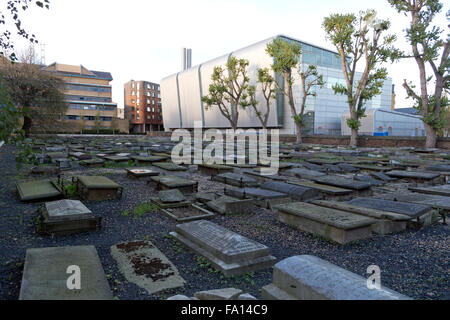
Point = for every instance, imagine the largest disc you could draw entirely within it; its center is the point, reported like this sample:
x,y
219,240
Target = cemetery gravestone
x,y
45,274
230,252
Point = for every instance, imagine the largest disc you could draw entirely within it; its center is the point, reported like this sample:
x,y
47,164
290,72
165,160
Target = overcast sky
x,y
142,39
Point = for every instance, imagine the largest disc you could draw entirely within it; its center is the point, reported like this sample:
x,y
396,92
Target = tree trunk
x,y
431,136
27,122
354,138
298,127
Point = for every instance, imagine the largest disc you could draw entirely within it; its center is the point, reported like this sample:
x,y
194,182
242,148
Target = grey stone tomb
x,y
229,252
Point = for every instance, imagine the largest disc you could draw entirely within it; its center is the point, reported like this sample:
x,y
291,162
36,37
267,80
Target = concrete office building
x,y
142,100
182,92
89,95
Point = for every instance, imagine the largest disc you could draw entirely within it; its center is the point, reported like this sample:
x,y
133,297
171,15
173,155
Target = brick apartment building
x,y
89,95
142,101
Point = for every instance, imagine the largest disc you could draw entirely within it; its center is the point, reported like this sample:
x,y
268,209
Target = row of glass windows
x,y
79,87
91,107
87,118
88,98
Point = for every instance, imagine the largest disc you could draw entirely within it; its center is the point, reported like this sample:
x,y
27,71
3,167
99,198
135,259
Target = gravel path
x,y
415,263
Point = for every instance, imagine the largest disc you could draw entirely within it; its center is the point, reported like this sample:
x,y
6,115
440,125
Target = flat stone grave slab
x,y
80,155
53,170
263,197
339,226
144,265
303,173
435,201
347,167
45,274
313,167
295,192
116,158
169,166
229,205
97,188
413,174
369,179
148,159
341,182
386,222
173,182
438,167
93,163
323,188
52,156
227,251
186,212
443,190
307,277
171,196
371,167
38,190
409,209
261,178
322,161
332,168
123,154
235,179
382,176
213,169
141,172
67,217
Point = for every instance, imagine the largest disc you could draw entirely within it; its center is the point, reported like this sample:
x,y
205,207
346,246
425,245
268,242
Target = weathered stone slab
x,y
45,274
170,196
324,188
303,173
413,174
219,294
409,209
386,222
443,190
347,167
295,192
148,159
308,277
332,168
434,201
230,252
67,217
169,166
80,155
38,190
213,169
371,167
368,179
173,182
97,188
116,158
229,205
262,197
144,265
339,226
235,179
341,182
45,170
330,217
382,176
92,163
185,213
313,167
438,167
141,172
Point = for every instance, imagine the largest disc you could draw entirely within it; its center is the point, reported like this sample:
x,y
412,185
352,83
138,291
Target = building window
x,y
148,109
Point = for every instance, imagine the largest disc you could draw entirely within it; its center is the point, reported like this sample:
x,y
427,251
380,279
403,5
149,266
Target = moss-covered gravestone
x,y
38,190
66,217
173,182
92,163
169,166
98,188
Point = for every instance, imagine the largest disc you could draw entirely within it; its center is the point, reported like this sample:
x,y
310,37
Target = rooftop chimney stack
x,y
187,58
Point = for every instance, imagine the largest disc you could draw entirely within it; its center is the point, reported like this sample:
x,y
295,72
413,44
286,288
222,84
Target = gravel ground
x,y
414,263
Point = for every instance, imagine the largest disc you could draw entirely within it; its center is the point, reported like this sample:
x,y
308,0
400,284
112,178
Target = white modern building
x,y
181,93
379,122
